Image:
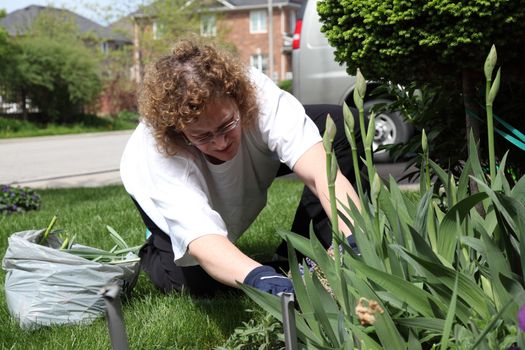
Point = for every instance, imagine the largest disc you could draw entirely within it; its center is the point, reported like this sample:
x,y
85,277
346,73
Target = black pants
x,y
157,258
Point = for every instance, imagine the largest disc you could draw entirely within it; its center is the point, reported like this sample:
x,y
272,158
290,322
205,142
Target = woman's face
x,y
217,132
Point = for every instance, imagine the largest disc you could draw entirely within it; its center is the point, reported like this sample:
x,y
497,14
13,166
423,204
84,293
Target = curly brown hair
x,y
177,87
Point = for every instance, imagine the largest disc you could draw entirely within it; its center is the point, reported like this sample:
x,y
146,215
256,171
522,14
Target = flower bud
x,y
333,168
490,62
329,134
424,142
371,131
494,88
348,116
349,125
359,89
376,188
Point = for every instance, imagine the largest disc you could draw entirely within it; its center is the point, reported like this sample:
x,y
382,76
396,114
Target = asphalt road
x,y
84,160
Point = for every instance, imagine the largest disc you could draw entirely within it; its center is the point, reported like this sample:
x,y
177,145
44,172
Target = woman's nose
x,y
220,141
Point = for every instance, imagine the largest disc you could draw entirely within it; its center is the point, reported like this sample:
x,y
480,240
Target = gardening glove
x,y
265,278
351,242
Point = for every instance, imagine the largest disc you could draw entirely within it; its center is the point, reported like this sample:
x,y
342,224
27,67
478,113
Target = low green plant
x,y
262,331
18,199
12,125
433,272
128,116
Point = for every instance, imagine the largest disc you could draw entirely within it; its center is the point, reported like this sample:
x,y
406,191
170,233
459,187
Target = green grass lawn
x,y
153,320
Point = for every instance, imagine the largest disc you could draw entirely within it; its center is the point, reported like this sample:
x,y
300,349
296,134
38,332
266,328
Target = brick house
x,y
257,28
247,24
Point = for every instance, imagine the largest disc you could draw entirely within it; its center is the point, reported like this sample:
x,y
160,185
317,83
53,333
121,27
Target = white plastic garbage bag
x,y
46,286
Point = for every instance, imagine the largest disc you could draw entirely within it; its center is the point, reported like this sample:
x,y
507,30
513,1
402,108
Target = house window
x,y
293,19
260,62
104,47
155,28
258,21
208,25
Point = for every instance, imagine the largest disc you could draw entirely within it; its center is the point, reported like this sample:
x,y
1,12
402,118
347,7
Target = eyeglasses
x,y
210,136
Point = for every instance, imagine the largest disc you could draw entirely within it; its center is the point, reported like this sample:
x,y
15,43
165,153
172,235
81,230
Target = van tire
x,y
390,128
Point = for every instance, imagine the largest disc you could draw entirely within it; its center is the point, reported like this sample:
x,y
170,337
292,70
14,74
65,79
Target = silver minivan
x,y
318,79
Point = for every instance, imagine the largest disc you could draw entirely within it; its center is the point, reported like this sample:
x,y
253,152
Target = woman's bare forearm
x,y
221,259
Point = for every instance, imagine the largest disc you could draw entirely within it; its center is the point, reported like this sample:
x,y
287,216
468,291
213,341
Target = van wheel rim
x,y
385,131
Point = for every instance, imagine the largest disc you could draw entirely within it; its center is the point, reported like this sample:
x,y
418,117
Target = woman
x,y
213,137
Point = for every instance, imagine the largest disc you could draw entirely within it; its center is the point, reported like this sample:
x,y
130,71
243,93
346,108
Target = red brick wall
x,y
235,26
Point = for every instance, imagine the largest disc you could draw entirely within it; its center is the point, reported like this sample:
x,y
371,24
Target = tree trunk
x,y
469,79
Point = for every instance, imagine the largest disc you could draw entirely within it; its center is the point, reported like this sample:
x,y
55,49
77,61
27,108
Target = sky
x,y
100,11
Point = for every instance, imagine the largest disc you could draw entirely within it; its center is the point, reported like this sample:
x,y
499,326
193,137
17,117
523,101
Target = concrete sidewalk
x,y
95,179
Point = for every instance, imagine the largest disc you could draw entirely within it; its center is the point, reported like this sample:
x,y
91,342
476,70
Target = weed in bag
x,y
52,281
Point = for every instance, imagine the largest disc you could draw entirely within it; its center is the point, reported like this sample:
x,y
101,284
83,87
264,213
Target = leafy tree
x,y
164,21
53,68
442,43
4,45
55,24
425,41
7,53
59,79
118,89
171,19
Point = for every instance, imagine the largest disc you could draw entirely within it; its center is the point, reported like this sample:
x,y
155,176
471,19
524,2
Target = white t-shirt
x,y
187,197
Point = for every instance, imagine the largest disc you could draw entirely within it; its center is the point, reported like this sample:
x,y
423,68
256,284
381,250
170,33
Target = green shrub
x,y
441,43
126,120
10,125
286,85
89,120
128,116
79,123
18,199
